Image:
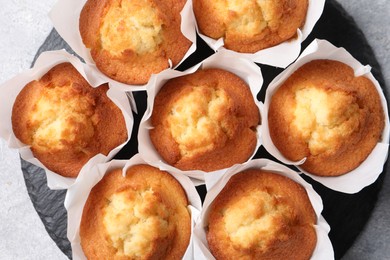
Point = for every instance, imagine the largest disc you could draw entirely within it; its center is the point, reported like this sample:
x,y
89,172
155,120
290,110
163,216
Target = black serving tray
x,y
346,214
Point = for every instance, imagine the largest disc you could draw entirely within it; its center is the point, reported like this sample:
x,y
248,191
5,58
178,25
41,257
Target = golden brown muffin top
x,y
66,121
131,25
250,25
198,118
324,117
261,215
131,40
136,222
143,215
325,113
249,225
62,116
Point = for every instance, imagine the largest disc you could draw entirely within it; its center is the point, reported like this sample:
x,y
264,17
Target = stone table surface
x,y
24,25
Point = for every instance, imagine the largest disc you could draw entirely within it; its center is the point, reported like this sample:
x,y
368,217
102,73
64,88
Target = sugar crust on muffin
x,y
66,121
251,25
261,215
326,114
143,215
131,40
206,120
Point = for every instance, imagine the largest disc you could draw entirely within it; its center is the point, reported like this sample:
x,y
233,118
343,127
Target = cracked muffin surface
x,y
250,25
261,215
66,121
326,114
199,119
142,215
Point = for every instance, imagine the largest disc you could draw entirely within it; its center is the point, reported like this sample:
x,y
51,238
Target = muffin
x,y
131,40
143,215
261,215
205,121
65,121
325,114
250,26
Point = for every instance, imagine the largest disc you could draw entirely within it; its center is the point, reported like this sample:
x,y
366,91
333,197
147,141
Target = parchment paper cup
x,y
245,69
65,17
11,88
77,196
216,182
371,168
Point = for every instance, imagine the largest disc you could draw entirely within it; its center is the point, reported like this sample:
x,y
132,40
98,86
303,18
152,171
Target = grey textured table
x,y
22,236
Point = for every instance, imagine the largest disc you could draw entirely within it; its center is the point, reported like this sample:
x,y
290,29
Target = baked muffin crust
x,y
143,215
66,121
131,40
141,231
261,215
199,119
251,25
326,114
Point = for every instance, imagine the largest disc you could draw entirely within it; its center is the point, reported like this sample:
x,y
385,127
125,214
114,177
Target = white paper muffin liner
x,y
11,88
245,69
77,196
216,182
284,53
371,168
65,17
